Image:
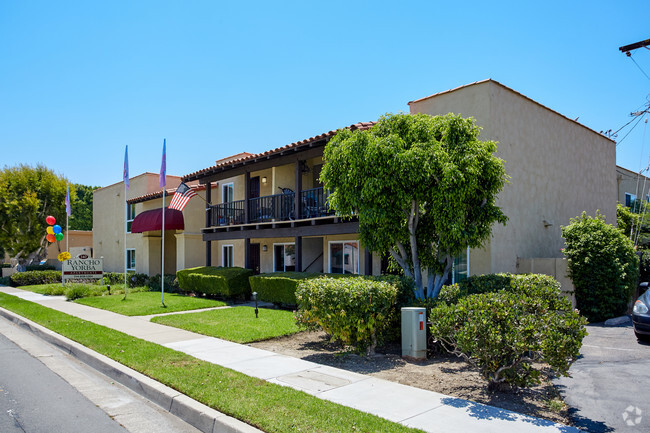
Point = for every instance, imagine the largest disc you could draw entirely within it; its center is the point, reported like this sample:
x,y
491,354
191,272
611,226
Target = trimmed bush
x,y
40,268
280,287
171,283
602,265
132,279
225,282
5,281
5,265
491,283
357,311
29,278
506,333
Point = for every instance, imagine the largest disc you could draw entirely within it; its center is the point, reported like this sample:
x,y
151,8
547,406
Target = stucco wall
x,y
557,169
631,183
108,219
79,240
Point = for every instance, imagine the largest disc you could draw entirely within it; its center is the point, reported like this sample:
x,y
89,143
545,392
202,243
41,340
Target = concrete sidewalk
x,y
413,407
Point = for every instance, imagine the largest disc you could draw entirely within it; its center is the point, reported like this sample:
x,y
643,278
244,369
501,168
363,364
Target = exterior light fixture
x,y
265,248
264,180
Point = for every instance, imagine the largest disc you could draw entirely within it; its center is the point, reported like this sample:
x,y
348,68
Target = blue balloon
x,y
57,229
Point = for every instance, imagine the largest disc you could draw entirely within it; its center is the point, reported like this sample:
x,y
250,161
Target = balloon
x,y
57,229
49,230
58,236
50,220
50,238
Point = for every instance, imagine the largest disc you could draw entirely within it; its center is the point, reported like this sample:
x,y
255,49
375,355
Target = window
x,y
130,216
130,259
460,268
227,192
227,256
629,199
284,257
344,257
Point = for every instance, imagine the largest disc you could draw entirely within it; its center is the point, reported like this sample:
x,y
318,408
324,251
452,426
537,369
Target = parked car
x,y
641,315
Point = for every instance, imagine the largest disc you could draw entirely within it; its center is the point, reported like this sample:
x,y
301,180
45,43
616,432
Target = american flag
x,y
182,195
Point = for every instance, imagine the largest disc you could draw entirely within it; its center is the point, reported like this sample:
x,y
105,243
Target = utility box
x,y
414,332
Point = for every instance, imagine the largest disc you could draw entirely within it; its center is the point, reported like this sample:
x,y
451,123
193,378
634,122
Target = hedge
x,y
225,282
40,267
357,311
280,287
29,278
505,324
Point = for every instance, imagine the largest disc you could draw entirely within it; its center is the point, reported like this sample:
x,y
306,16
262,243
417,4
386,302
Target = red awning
x,y
151,220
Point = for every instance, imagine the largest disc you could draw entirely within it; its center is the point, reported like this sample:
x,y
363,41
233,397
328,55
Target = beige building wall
x,y
81,242
109,218
632,183
557,167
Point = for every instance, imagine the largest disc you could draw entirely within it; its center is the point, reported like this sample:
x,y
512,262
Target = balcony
x,y
270,208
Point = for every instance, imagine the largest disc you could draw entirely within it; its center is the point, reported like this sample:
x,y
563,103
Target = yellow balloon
x,y
49,230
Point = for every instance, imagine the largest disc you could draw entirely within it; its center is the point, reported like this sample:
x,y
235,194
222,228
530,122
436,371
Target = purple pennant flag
x,y
68,210
163,166
126,167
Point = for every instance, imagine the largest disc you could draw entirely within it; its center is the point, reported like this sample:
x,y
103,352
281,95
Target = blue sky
x,y
80,80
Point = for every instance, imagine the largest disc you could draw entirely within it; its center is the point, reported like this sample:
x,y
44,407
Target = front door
x,y
254,257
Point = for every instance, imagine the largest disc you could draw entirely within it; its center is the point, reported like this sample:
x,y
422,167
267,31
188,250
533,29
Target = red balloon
x,y
50,220
50,238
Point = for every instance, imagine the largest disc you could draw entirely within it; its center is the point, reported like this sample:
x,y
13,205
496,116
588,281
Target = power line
x,y
637,65
631,129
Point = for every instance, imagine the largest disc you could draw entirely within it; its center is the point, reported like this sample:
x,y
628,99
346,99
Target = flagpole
x,y
126,225
163,183
125,178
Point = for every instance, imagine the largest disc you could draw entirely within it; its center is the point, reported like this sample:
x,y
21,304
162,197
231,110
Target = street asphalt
x,y
610,385
43,389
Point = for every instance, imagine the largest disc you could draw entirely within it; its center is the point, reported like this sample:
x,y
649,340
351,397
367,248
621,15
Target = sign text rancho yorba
x,y
83,269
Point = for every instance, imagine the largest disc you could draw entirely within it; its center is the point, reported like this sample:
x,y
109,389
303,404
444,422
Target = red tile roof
x,y
252,157
158,194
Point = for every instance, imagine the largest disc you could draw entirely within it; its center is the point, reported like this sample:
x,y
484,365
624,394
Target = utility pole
x,y
627,48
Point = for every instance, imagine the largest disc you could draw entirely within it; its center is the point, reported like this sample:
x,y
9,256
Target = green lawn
x,y
236,324
267,406
145,303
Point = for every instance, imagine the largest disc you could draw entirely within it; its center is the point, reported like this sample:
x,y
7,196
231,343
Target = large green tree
x,y
82,208
27,196
423,188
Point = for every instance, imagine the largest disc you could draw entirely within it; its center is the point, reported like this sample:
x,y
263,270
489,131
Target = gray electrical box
x,y
414,332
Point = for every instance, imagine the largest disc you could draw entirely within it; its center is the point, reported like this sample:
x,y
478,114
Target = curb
x,y
191,411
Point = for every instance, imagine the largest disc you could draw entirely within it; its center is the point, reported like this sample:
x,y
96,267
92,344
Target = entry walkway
x,y
413,407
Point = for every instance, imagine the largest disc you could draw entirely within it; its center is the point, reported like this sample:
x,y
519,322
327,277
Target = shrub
x,y
40,268
5,281
5,265
280,287
132,279
76,291
491,283
505,333
357,311
644,266
171,283
602,265
29,278
227,282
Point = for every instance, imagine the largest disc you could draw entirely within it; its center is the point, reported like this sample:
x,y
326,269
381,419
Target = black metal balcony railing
x,y
227,213
314,203
277,207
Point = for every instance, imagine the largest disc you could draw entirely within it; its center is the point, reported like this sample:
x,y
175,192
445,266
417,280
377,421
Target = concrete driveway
x,y
610,385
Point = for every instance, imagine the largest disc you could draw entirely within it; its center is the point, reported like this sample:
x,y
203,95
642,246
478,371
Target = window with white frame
x,y
130,259
130,216
284,257
227,192
344,257
227,252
